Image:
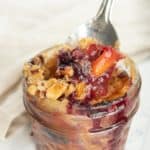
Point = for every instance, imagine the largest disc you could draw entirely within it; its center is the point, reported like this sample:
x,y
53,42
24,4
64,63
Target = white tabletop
x,y
28,26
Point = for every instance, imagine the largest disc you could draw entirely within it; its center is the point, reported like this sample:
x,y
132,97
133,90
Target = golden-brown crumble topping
x,y
64,74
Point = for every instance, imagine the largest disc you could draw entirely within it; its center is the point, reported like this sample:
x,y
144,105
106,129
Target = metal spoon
x,y
99,27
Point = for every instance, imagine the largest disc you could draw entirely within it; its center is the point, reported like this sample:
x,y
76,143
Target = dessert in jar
x,y
81,96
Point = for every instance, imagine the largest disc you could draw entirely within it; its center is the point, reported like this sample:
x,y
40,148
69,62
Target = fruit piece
x,y
65,71
32,89
69,90
64,57
51,81
106,60
69,71
99,87
77,69
56,90
77,53
81,91
93,51
118,86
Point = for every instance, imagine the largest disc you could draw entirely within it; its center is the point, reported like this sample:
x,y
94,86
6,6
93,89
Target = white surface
x,y
28,26
139,134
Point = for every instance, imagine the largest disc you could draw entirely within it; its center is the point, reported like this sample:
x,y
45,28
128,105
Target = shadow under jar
x,y
101,127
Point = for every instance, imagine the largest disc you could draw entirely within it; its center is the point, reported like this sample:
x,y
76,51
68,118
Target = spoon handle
x,y
104,10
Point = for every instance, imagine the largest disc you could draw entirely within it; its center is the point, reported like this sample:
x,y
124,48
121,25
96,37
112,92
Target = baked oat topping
x,y
87,74
56,90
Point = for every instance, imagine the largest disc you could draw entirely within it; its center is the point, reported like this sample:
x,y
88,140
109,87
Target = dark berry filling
x,y
93,66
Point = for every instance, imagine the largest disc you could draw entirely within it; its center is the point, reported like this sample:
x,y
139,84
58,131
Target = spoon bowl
x,y
99,28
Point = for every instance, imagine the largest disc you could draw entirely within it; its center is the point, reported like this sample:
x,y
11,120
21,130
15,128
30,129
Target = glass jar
x,y
101,127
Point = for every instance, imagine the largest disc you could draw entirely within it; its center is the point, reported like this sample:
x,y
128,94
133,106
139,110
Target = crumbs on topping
x,y
83,74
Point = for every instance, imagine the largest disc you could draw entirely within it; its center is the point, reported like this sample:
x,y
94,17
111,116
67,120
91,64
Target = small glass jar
x,y
101,127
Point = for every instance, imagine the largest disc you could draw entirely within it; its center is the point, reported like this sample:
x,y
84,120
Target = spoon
x,y
99,27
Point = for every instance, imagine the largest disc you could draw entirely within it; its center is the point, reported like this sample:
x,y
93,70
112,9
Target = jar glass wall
x,y
99,127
